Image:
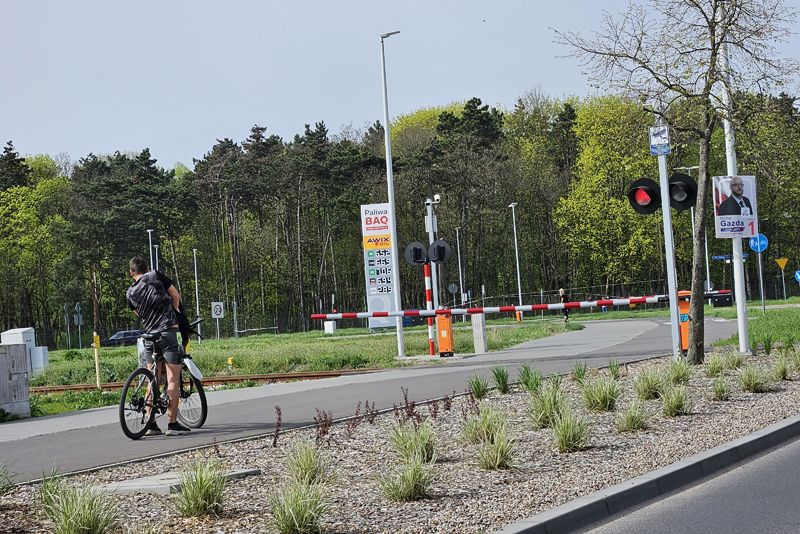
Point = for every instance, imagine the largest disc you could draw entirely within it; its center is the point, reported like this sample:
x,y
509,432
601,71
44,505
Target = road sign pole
x,y
672,279
761,285
783,279
217,328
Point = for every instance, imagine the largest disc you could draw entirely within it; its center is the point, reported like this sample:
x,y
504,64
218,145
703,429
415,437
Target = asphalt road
x,y
758,496
84,440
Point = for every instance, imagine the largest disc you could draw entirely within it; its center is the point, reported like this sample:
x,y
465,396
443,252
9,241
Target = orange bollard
x,y
683,318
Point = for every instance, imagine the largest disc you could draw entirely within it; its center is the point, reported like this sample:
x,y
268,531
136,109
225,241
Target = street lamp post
x,y
432,227
155,254
390,189
196,293
513,206
150,245
460,276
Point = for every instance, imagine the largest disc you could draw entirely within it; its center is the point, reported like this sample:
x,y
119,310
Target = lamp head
x,y
385,35
437,198
512,205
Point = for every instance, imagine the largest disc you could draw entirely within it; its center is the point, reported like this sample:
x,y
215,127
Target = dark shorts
x,y
170,348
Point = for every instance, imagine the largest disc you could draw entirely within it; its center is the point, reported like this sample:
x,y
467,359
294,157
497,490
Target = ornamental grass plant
x,y
306,465
715,365
649,384
570,431
720,390
632,418
411,441
76,510
410,481
297,508
530,380
497,454
202,488
601,393
675,401
753,379
546,405
484,426
500,375
478,386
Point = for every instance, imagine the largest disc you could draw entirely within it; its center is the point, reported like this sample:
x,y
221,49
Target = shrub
x,y
497,454
579,372
6,480
411,441
734,360
679,371
478,386
715,365
614,368
306,465
500,375
649,384
530,380
297,508
201,492
51,487
795,357
484,426
79,510
780,369
753,379
675,401
409,482
720,390
546,405
767,342
632,418
571,432
601,394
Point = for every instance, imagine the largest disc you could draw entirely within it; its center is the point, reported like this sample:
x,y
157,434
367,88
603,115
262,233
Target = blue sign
x,y
797,276
759,244
721,257
683,318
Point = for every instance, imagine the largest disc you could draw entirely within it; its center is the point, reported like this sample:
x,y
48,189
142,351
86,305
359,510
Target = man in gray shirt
x,y
156,301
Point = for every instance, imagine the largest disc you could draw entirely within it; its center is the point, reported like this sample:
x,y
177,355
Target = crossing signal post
x,y
644,194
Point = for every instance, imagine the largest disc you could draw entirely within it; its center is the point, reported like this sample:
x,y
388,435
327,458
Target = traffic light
x,y
645,195
682,191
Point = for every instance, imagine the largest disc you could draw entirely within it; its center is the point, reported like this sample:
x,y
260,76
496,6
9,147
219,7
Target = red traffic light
x,y
644,196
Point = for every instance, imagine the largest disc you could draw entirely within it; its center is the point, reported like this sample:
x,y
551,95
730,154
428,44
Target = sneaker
x,y
176,429
153,430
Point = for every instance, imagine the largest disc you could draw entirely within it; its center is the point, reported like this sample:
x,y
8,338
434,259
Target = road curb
x,y
605,503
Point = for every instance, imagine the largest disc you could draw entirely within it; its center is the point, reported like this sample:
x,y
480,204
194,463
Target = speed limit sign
x,y
217,310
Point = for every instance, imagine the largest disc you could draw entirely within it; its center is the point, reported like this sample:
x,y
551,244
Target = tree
x,y
13,170
672,52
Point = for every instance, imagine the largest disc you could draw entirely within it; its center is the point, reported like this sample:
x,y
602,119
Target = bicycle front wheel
x,y
136,403
192,405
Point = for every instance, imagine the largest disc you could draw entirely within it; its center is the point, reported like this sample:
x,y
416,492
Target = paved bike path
x,y
89,439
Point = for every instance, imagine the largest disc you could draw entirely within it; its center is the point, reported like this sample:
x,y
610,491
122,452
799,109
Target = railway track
x,y
207,381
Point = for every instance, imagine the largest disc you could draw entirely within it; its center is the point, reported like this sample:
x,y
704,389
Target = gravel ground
x,y
464,497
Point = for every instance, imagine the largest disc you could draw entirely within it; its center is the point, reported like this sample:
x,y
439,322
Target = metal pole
x,y
150,245
513,205
155,247
69,339
390,191
429,306
672,279
738,257
235,321
460,276
431,238
196,293
783,279
761,285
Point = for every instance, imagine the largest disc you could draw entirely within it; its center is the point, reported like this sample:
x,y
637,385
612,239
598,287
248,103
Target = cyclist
x,y
156,301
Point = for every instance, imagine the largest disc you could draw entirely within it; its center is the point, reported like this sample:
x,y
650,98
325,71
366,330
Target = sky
x,y
174,76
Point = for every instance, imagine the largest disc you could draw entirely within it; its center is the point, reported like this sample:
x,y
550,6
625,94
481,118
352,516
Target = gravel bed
x,y
464,498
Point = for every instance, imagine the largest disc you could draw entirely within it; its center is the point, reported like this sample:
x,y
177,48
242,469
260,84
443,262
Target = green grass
x,y
776,325
6,480
478,386
500,375
70,401
530,380
349,348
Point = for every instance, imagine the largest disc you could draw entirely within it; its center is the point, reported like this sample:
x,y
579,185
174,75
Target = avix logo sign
x,y
377,241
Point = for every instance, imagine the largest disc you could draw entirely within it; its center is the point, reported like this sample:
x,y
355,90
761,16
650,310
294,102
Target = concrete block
x,y
162,484
479,341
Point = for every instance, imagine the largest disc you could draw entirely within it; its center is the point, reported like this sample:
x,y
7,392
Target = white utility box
x,y
37,356
330,327
39,360
14,363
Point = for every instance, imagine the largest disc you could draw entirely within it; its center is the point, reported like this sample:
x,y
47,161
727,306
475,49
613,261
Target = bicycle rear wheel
x,y
192,405
135,405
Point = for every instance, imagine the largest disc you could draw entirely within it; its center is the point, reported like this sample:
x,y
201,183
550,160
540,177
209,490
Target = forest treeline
x,y
276,225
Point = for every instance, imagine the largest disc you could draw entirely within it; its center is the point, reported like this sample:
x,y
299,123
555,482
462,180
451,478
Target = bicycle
x,y
143,400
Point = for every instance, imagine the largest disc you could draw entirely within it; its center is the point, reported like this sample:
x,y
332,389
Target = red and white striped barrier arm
x,y
655,299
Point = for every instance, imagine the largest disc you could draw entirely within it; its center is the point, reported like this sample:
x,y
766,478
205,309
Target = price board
x,y
376,231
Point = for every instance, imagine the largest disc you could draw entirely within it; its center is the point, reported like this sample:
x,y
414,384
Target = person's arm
x,y
175,297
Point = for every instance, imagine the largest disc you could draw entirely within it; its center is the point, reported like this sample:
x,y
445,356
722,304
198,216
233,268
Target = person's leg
x,y
173,390
173,354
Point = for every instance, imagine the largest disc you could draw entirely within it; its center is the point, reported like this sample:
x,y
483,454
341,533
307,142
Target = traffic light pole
x,y
672,279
